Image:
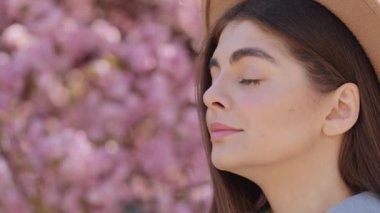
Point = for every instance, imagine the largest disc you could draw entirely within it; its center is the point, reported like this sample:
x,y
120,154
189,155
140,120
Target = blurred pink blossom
x,y
97,107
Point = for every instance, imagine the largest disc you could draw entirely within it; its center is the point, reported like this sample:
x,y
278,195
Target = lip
x,y
220,130
217,126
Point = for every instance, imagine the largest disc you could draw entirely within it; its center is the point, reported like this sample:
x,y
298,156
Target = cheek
x,y
279,124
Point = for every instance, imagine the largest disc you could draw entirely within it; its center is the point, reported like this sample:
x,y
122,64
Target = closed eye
x,y
250,81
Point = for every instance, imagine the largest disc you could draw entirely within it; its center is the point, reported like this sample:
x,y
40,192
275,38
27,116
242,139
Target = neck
x,y
309,183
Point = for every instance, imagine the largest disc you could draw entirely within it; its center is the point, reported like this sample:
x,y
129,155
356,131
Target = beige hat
x,y
361,16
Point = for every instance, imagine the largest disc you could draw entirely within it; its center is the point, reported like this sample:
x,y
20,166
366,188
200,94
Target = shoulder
x,y
365,202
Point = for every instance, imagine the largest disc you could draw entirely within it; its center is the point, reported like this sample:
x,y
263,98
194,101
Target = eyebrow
x,y
245,52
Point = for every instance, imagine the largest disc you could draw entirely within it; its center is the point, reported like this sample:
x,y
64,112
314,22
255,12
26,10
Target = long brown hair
x,y
332,56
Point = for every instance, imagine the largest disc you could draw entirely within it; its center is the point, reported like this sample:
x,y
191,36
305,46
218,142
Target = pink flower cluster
x,y
97,108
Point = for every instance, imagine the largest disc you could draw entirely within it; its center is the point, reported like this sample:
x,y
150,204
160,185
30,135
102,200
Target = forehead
x,y
240,34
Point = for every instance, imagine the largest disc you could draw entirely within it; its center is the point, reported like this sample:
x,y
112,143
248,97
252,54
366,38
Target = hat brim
x,y
362,17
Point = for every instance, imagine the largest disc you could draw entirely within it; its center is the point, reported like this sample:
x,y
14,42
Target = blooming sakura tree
x,y
97,108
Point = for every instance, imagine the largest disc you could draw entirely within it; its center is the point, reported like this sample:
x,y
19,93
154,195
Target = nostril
x,y
218,104
215,99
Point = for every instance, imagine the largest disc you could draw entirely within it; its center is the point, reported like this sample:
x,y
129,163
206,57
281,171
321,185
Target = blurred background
x,y
97,107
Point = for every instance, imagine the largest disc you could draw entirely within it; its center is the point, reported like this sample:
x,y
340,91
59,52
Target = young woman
x,y
289,105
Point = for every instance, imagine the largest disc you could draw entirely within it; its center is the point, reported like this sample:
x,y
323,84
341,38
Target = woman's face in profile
x,y
259,88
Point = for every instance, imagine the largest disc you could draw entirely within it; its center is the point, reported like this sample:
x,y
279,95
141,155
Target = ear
x,y
344,110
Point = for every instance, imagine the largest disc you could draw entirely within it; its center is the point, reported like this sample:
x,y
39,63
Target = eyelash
x,y
250,81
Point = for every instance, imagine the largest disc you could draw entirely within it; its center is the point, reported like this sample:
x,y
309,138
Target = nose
x,y
215,97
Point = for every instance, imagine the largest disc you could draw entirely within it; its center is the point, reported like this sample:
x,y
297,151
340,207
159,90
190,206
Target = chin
x,y
236,164
220,162
226,163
